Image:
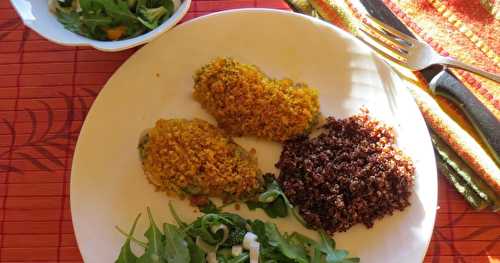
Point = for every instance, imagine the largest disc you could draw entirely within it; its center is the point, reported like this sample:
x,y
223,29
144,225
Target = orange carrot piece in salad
x,y
115,33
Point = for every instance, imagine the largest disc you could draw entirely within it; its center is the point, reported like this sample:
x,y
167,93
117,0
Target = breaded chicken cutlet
x,y
245,101
195,158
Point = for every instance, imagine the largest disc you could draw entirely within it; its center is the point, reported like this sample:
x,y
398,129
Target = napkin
x,y
467,30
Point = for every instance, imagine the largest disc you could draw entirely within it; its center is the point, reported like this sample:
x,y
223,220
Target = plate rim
x,y
396,77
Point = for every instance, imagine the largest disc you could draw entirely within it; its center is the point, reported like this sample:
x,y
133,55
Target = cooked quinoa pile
x,y
193,157
351,173
244,101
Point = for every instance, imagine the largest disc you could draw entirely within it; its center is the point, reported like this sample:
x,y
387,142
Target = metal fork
x,y
410,53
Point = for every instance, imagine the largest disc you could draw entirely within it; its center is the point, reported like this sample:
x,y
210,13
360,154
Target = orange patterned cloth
x,y
469,31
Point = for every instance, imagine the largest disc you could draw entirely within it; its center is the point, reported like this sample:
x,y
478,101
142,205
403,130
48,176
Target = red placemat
x,y
45,93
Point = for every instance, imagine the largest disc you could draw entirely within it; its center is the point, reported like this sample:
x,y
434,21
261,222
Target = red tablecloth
x,y
45,93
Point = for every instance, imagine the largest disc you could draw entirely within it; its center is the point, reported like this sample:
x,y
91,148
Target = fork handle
x,y
485,123
450,62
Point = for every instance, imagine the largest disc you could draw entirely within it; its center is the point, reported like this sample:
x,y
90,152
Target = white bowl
x,y
36,15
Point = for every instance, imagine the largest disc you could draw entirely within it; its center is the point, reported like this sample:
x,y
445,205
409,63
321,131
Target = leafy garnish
x,y
176,248
189,243
126,254
176,217
291,251
273,201
155,249
197,255
240,259
332,255
118,10
112,19
208,208
259,228
70,20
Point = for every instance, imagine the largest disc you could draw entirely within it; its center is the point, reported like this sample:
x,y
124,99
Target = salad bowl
x,y
36,15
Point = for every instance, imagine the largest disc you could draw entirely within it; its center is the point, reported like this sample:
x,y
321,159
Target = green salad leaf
x,y
291,251
243,257
176,248
273,201
156,248
113,19
118,10
332,255
218,233
196,254
126,255
209,208
259,228
176,217
71,21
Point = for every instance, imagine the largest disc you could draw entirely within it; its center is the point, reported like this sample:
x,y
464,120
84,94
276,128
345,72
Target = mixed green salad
x,y
111,19
220,237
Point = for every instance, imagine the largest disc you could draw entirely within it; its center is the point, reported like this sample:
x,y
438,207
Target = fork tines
x,y
387,37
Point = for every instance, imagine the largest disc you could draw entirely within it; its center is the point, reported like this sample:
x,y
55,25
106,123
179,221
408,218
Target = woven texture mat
x,y
45,93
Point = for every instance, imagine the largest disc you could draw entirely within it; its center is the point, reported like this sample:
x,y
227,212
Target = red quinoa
x,y
351,173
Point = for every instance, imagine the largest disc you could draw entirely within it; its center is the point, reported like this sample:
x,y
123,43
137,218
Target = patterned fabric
x,y
45,93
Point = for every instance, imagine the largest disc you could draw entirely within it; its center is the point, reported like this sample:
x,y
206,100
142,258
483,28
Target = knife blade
x,y
443,83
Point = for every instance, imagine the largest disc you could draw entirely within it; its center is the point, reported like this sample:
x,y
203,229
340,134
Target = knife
x,y
442,82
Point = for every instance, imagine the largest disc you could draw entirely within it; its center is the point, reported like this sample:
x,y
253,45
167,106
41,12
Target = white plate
x,y
36,15
107,184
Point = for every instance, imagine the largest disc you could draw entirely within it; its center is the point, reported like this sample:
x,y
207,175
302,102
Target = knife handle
x,y
485,123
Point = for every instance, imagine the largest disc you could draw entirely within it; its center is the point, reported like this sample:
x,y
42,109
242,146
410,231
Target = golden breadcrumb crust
x,y
244,101
194,157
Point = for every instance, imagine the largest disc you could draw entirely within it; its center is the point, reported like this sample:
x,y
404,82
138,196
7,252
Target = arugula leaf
x,y
209,208
97,18
176,244
169,6
155,249
274,209
126,254
197,255
118,9
273,201
202,227
316,258
90,7
71,21
291,251
243,257
94,21
303,240
151,17
176,248
327,246
259,228
176,217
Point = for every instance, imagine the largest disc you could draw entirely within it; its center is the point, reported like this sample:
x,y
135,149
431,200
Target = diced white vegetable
x,y
211,257
248,239
254,252
236,250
